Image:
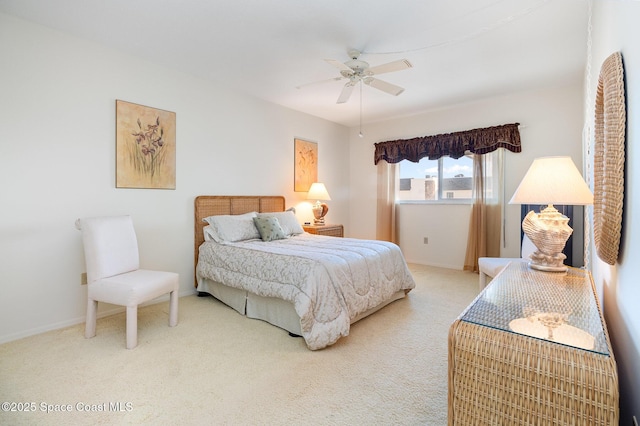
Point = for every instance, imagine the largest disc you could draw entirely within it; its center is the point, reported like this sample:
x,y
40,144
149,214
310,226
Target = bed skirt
x,y
275,311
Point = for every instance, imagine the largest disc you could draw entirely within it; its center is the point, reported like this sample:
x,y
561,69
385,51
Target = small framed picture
x,y
306,165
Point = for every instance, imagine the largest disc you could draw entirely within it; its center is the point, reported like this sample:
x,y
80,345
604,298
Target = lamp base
x,y
543,262
549,232
320,210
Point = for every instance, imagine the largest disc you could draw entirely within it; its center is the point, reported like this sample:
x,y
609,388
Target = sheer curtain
x,y
386,204
485,223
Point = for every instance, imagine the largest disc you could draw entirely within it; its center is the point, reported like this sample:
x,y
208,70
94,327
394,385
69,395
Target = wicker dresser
x,y
533,348
330,230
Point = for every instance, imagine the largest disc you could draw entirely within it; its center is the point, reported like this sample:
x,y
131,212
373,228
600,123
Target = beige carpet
x,y
218,367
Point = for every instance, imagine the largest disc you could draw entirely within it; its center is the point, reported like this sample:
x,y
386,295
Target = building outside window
x,y
434,180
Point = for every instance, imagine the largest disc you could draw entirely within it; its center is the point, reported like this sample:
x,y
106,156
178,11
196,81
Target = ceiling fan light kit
x,y
356,70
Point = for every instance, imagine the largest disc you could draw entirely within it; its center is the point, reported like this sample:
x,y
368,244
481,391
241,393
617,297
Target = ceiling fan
x,y
357,71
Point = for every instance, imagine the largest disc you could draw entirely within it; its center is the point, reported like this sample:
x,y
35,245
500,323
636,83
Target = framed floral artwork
x,y
145,147
305,164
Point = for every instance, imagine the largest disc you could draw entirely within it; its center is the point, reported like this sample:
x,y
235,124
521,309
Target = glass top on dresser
x,y
556,306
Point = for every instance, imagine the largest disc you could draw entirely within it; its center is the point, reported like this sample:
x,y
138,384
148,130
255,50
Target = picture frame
x,y
145,147
305,164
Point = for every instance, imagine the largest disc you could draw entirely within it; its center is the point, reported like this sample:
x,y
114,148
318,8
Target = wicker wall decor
x,y
608,170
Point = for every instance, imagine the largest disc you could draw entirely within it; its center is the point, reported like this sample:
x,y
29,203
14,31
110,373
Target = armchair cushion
x,y
133,288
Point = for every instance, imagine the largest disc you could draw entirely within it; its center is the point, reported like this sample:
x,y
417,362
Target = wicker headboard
x,y
213,205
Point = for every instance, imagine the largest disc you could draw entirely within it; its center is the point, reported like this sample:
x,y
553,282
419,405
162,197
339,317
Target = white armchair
x,y
114,275
492,266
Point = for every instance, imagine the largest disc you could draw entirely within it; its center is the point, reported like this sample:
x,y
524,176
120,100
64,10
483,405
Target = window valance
x,y
455,145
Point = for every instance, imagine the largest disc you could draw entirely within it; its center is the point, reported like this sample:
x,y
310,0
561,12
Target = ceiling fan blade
x,y
346,92
389,88
340,66
401,64
319,82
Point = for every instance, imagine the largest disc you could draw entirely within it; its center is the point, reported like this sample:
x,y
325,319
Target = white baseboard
x,y
437,265
79,320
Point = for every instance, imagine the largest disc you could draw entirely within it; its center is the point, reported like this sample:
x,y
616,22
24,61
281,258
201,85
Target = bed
x,y
312,286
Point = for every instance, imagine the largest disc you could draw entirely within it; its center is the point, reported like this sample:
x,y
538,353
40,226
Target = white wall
x,y
446,228
615,29
551,124
57,163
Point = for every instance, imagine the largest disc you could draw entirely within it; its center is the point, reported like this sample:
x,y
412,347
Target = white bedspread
x,y
329,280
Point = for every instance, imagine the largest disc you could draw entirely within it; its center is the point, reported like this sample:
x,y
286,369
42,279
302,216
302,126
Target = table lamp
x,y
550,180
319,193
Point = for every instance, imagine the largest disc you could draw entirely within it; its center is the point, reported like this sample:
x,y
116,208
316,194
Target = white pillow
x,y
209,233
288,222
231,228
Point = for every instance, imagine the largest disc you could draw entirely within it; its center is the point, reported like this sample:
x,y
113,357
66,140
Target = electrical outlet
x,y
83,278
426,240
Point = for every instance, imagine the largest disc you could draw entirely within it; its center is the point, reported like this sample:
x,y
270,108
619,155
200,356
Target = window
x,y
434,180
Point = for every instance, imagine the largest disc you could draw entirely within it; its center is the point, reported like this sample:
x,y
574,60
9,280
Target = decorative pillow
x,y
231,228
269,228
288,222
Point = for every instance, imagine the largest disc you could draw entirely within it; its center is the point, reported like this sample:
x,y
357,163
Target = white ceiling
x,y
461,50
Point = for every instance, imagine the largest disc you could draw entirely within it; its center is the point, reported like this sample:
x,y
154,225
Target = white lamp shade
x,y
553,180
318,192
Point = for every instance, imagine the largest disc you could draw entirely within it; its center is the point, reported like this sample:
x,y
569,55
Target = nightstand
x,y
330,230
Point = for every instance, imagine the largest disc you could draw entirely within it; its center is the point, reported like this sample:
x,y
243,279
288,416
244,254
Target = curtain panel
x,y
455,145
386,202
485,223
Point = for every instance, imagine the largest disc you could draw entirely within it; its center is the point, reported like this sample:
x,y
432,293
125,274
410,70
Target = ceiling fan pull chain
x,y
360,133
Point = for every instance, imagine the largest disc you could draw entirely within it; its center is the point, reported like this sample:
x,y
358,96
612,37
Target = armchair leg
x,y
90,322
173,308
132,326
